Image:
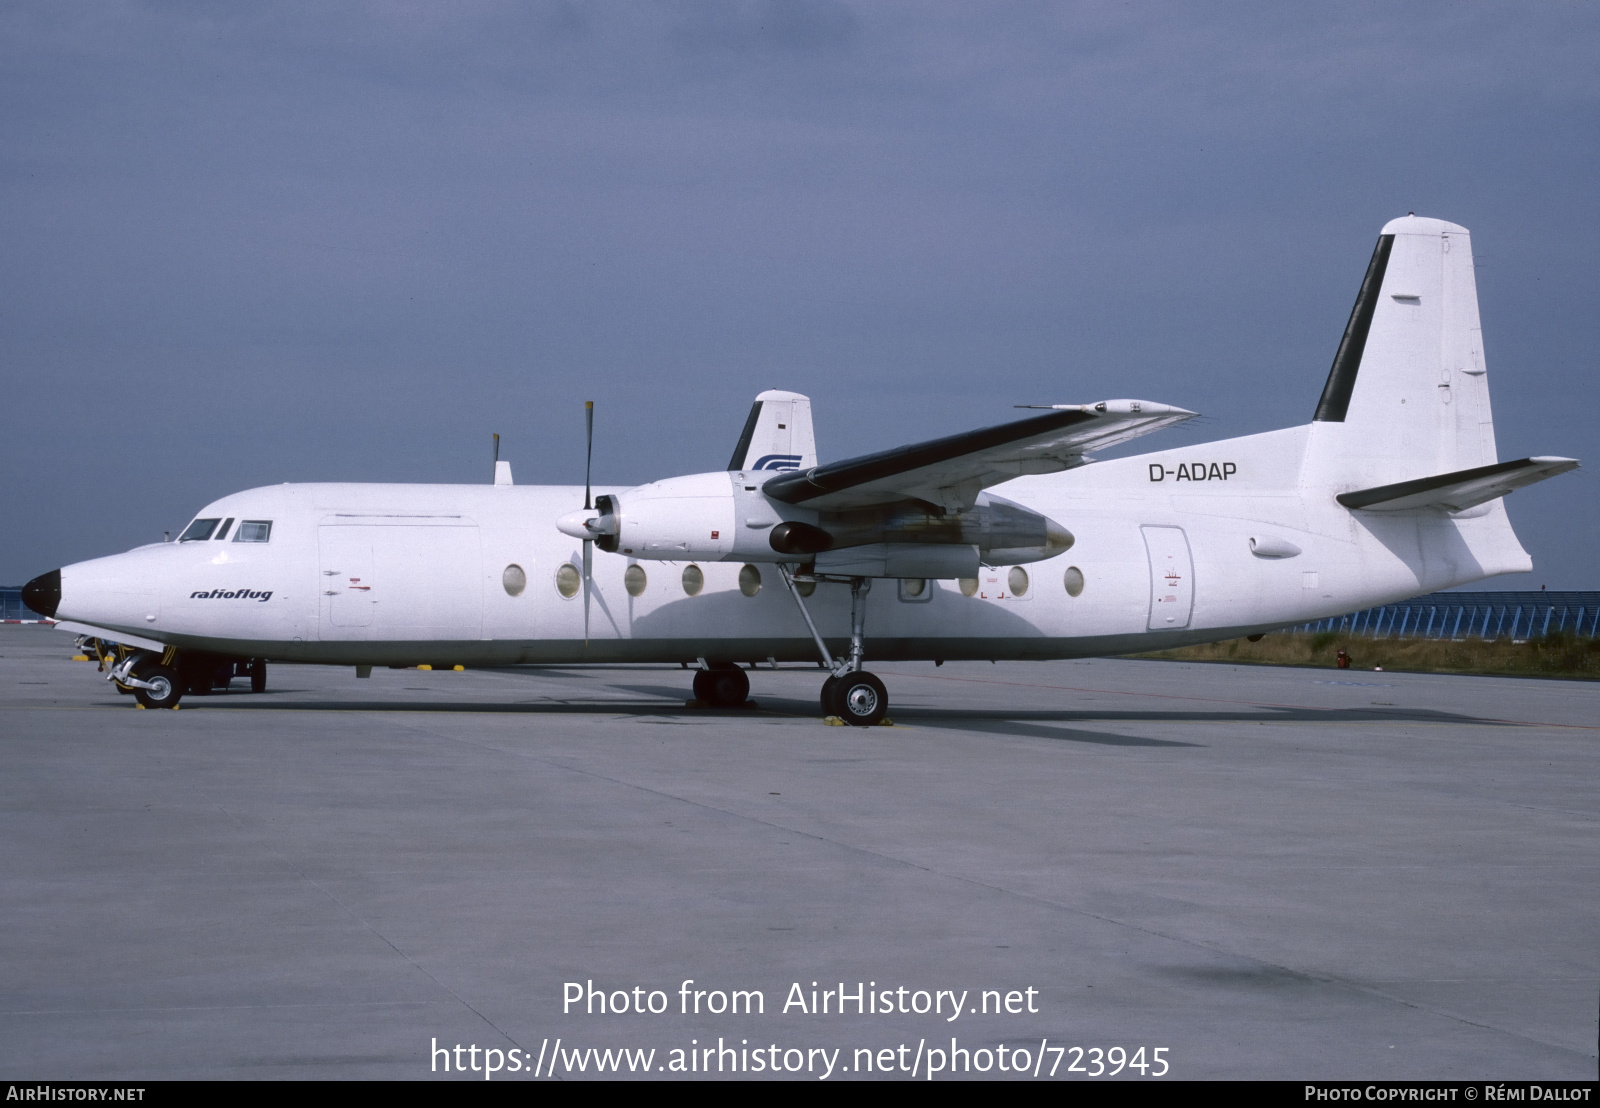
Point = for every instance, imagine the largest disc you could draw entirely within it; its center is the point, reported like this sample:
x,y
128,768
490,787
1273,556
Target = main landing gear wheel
x,y
258,675
829,708
722,686
166,688
858,698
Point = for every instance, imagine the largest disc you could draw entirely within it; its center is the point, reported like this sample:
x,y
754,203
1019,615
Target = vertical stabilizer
x,y
1403,439
1408,389
777,435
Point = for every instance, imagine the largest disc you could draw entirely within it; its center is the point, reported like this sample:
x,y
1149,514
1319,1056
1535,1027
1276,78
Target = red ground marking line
x,y
1206,699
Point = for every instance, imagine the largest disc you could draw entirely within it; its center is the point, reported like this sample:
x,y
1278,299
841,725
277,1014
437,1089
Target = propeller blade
x,y
588,503
588,459
588,554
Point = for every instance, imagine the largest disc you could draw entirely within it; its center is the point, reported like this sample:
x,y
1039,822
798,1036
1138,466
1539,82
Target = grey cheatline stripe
x,y
798,487
1347,362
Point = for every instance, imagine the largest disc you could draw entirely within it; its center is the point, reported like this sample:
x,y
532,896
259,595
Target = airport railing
x,y
1483,615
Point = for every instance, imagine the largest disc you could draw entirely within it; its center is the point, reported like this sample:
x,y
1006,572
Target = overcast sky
x,y
252,243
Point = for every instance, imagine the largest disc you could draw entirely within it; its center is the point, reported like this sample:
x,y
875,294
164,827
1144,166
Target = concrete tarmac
x,y
1263,872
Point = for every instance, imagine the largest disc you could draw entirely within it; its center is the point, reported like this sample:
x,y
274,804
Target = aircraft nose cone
x,y
43,593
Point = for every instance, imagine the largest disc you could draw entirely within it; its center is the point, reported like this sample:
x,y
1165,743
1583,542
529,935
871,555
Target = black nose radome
x,y
43,593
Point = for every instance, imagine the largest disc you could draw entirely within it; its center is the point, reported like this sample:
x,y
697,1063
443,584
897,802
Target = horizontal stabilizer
x,y
1465,488
951,471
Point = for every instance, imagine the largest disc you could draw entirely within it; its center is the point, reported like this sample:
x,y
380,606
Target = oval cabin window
x,y
749,580
568,580
514,580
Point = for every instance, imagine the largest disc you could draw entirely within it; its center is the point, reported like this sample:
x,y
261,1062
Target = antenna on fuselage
x,y
502,470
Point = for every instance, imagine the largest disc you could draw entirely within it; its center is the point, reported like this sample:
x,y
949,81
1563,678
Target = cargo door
x,y
1171,578
345,580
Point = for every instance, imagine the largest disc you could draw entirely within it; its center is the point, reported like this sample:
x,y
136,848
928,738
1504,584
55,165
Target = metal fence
x,y
12,607
1484,615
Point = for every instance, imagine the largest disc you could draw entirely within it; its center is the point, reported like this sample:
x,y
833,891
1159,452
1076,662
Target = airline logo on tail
x,y
777,461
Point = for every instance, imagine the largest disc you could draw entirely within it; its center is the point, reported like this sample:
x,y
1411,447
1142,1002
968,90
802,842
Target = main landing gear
x,y
722,685
851,693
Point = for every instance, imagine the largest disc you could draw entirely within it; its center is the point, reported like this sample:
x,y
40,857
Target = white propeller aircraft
x,y
1007,542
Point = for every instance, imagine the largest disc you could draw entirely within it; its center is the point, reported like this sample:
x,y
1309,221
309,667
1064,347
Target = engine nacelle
x,y
724,517
680,519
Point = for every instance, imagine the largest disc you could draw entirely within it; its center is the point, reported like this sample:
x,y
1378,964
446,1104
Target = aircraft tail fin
x,y
777,435
1404,426
1408,394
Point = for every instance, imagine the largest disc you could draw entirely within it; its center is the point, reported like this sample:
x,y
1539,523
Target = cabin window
x,y
198,530
514,580
222,532
634,580
253,530
693,580
568,580
1073,579
1018,580
915,589
969,586
749,580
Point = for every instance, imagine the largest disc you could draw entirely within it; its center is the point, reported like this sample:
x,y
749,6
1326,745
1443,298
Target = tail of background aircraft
x,y
777,435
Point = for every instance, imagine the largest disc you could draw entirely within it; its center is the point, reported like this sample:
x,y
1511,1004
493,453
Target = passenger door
x,y
1171,578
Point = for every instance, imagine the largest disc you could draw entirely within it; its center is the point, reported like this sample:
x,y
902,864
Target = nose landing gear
x,y
152,678
852,694
161,680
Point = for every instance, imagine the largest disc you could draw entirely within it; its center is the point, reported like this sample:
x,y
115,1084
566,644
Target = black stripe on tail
x,y
740,451
1347,362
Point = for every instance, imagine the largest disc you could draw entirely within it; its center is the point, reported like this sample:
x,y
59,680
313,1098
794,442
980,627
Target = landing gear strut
x,y
851,693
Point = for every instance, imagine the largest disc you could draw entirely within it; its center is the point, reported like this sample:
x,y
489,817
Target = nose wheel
x,y
159,687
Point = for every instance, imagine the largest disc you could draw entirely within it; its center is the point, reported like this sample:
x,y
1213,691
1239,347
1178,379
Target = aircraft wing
x,y
951,471
1465,488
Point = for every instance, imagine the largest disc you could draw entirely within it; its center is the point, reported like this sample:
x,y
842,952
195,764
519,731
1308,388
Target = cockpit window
x,y
198,530
222,532
253,530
